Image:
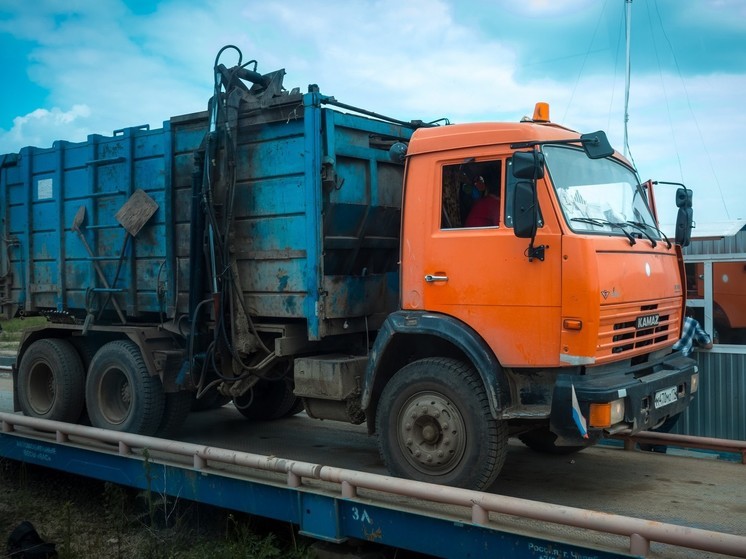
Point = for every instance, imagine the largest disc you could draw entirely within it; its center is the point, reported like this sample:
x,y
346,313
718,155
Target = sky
x,y
70,68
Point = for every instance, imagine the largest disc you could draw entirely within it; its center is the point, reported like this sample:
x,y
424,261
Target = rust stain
x,y
373,536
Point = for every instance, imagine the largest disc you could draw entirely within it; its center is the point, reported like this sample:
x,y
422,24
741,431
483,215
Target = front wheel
x,y
434,424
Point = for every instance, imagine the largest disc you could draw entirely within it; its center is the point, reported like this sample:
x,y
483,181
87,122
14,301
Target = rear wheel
x,y
434,424
120,393
211,400
543,440
295,409
176,407
51,381
269,400
86,346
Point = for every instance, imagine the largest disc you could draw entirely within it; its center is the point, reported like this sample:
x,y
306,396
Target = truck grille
x,y
619,332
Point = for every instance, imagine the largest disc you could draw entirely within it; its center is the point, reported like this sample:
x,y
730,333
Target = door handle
x,y
430,278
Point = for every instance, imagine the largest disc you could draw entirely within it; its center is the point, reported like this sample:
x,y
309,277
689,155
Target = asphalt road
x,y
6,392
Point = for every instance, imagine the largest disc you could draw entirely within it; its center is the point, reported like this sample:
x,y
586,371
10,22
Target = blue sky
x,y
76,67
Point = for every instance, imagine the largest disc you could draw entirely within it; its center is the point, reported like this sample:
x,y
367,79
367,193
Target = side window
x,y
724,315
729,301
695,280
472,194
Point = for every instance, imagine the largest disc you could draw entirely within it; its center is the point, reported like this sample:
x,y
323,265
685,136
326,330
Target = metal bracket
x,y
536,252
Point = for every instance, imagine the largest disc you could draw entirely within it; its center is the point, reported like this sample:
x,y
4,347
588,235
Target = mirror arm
x,y
595,144
535,143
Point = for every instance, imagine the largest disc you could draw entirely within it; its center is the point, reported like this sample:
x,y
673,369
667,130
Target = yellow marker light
x,y
541,112
572,324
606,415
694,383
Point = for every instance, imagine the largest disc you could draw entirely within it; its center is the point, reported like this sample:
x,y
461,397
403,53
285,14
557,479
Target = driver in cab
x,y
486,210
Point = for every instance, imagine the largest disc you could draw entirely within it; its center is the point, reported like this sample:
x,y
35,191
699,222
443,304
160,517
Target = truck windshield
x,y
599,195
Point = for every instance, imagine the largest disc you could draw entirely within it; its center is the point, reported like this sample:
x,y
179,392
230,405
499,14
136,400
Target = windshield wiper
x,y
644,226
602,222
641,228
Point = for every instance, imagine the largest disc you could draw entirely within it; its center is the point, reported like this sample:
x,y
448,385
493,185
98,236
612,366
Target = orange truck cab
x,y
559,316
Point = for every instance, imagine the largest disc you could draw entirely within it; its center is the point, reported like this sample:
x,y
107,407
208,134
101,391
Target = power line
x,y
582,67
694,118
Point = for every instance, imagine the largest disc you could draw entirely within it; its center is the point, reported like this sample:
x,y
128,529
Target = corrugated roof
x,y
716,242
710,231
717,229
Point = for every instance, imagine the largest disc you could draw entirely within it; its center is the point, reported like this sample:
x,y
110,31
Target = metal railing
x,y
683,441
640,532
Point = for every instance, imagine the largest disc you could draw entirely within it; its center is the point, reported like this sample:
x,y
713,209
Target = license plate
x,y
665,397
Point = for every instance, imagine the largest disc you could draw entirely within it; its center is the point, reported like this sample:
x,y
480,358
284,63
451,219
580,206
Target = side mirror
x,y
684,223
683,198
528,165
685,217
525,214
596,145
398,152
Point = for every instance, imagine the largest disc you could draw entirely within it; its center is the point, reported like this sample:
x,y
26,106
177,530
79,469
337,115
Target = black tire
x,y
434,424
542,440
268,400
120,393
296,408
51,381
176,408
212,400
86,346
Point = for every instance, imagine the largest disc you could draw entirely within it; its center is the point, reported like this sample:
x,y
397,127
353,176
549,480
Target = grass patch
x,y
88,518
12,329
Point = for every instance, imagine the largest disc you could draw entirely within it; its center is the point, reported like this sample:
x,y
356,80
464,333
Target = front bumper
x,y
637,386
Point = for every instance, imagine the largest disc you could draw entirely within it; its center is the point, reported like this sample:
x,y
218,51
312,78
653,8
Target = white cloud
x,y
35,128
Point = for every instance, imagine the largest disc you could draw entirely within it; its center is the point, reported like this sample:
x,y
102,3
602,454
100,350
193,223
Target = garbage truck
x,y
289,252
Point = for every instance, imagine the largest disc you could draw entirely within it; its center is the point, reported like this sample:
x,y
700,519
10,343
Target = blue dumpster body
x,y
314,220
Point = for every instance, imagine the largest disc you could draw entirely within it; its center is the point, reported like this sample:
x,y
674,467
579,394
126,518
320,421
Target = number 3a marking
x,y
364,517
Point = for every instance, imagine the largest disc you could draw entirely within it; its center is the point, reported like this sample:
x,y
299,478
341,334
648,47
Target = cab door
x,y
481,274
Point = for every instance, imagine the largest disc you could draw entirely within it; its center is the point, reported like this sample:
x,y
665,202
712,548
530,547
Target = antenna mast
x,y
628,18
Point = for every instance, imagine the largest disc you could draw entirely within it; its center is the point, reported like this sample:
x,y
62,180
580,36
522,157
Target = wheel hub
x,y
41,388
115,396
125,394
431,433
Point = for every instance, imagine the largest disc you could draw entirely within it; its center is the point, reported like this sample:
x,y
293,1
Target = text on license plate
x,y
665,397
